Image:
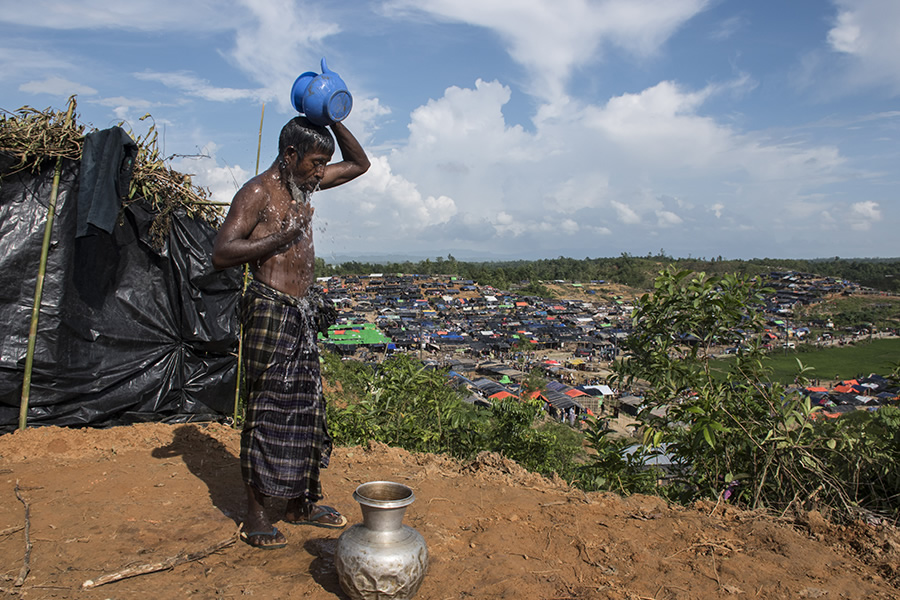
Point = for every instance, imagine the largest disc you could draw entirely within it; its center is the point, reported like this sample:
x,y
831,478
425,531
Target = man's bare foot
x,y
265,539
302,513
257,530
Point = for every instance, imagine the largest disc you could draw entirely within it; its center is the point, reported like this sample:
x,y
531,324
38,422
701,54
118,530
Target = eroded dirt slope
x,y
100,501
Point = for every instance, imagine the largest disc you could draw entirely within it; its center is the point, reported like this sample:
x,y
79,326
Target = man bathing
x,y
285,439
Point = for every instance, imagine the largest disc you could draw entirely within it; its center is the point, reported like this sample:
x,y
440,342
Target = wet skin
x,y
270,228
267,228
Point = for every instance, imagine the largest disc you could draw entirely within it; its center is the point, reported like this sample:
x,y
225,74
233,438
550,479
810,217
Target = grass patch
x,y
844,362
849,311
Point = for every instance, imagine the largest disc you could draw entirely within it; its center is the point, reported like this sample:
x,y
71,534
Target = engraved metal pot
x,y
381,558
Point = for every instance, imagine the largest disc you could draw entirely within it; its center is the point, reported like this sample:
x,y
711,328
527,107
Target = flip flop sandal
x,y
317,513
246,537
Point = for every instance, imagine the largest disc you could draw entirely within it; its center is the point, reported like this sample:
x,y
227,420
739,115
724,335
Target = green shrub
x,y
735,434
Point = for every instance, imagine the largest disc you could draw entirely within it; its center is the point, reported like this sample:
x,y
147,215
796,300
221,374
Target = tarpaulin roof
x,y
574,393
489,386
604,390
362,334
560,400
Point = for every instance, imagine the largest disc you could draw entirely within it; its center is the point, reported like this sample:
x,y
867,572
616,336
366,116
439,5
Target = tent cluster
x,y
447,313
853,394
558,398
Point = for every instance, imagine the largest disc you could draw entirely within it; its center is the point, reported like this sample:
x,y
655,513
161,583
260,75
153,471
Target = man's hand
x,y
294,225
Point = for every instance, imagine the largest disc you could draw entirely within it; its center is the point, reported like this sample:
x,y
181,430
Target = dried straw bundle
x,y
31,136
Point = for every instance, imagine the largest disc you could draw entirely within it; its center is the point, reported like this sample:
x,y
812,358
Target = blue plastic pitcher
x,y
324,99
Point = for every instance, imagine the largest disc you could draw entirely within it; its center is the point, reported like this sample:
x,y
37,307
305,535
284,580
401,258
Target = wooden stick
x,y
259,142
39,284
26,563
169,563
237,383
11,530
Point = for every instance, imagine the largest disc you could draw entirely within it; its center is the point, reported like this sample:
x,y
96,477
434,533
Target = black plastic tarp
x,y
127,332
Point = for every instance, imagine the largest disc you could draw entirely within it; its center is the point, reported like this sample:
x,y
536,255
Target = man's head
x,y
304,136
304,150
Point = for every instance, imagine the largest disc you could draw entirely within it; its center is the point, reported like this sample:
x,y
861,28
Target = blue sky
x,y
515,128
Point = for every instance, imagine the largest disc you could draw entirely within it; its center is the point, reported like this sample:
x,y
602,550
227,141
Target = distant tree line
x,y
633,271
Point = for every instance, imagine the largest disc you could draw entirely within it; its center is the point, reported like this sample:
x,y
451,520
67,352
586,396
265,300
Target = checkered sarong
x,y
285,438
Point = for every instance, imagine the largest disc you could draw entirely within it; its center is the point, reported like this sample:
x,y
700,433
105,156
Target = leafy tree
x,y
737,435
619,465
534,382
542,450
404,404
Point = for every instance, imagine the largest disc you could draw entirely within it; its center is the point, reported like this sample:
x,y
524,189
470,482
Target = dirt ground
x,y
96,502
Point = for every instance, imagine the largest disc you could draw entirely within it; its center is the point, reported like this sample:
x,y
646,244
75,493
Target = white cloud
x,y
626,214
865,31
550,39
666,218
127,109
461,146
25,62
365,118
280,41
57,86
728,27
222,181
863,215
569,227
662,127
169,15
200,88
126,102
401,207
646,161
585,191
846,34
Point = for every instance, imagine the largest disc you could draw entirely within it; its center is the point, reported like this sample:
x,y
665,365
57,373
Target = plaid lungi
x,y
285,438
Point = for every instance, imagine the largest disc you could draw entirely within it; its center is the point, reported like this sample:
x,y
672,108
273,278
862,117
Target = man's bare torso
x,y
289,269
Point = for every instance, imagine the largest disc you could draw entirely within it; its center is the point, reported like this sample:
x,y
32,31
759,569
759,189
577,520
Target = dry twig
x,y
169,563
26,563
11,530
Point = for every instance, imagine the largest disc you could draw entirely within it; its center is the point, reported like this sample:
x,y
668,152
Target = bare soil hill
x,y
597,293
83,504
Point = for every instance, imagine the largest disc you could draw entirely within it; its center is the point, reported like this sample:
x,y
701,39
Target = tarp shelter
x,y
631,404
364,334
128,331
490,388
601,390
561,402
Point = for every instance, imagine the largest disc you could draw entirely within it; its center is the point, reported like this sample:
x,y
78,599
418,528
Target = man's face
x,y
308,171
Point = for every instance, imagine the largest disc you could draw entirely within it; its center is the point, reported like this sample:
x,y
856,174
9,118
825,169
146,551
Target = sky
x,y
513,129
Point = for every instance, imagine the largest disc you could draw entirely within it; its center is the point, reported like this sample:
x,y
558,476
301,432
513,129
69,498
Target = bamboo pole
x,y
259,143
39,284
237,385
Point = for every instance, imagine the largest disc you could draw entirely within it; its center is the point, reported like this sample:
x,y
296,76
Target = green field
x,y
878,356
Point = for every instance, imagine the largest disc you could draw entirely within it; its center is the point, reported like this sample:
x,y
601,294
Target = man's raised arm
x,y
354,161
